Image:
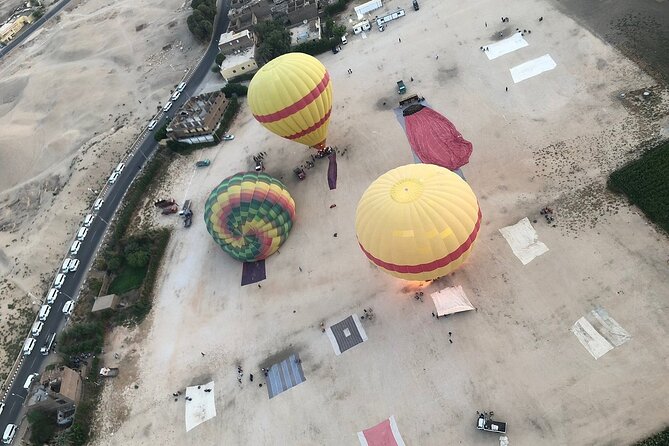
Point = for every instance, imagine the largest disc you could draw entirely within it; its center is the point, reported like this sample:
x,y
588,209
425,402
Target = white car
x,y
81,235
29,381
2,406
343,40
228,137
181,87
98,204
9,433
28,346
68,307
66,265
176,95
88,219
113,177
37,328
119,167
74,264
51,297
60,280
152,125
167,106
74,249
44,313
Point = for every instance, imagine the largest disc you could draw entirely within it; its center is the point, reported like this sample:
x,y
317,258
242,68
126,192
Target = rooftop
x,y
194,111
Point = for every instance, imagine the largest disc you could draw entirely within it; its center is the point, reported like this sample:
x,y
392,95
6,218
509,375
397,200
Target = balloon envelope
x,y
418,222
292,97
249,215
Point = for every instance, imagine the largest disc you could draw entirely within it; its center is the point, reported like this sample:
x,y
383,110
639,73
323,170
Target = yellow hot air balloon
x,y
418,222
292,97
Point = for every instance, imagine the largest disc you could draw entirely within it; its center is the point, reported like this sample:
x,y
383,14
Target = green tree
x,y
220,57
234,88
274,40
42,427
138,259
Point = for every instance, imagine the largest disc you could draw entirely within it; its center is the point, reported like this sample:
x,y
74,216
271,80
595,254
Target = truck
x,y
109,372
401,88
486,423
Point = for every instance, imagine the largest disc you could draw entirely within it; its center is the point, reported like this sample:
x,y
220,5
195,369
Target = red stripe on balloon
x,y
439,263
299,105
313,128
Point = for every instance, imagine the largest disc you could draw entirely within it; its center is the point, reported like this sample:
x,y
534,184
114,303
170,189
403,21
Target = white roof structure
x,y
451,300
523,240
202,406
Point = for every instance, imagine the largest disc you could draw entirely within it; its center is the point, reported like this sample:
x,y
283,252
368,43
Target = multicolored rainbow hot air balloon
x,y
418,222
249,215
292,97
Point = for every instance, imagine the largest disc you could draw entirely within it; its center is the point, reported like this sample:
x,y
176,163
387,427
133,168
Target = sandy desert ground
x,y
550,140
72,100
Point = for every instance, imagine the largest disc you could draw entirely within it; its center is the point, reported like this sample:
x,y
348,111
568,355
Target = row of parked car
x,y
168,104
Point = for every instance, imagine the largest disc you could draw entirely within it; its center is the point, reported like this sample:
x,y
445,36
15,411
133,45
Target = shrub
x,y
86,337
659,439
644,181
315,47
220,57
161,133
42,426
273,40
233,88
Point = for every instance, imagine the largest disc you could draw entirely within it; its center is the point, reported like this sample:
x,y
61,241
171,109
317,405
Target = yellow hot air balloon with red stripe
x,y
418,222
292,97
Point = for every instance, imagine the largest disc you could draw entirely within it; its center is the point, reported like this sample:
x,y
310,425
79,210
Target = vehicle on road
x,y
113,177
44,312
48,344
36,329
9,433
28,346
74,264
30,380
152,125
181,87
88,219
68,307
2,407
51,297
228,137
119,167
81,235
167,106
176,95
98,204
401,88
74,249
203,163
66,265
59,281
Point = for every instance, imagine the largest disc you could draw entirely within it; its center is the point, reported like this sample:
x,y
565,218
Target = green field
x,y
646,183
129,279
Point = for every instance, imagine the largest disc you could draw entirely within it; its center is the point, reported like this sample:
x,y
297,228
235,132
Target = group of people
x,y
369,314
548,214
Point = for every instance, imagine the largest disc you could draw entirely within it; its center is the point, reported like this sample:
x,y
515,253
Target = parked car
x,y
66,265
74,249
176,95
119,167
98,204
88,219
228,137
51,296
181,87
44,312
68,307
60,280
152,125
28,346
343,40
202,163
9,433
2,406
81,235
167,106
113,177
29,381
37,328
74,264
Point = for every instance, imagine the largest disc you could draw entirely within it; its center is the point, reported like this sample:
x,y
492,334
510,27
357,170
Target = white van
x,y
28,346
74,264
176,95
68,307
36,328
88,220
74,249
181,87
60,280
81,235
10,431
44,312
98,204
29,380
51,296
119,167
66,265
48,344
152,125
343,40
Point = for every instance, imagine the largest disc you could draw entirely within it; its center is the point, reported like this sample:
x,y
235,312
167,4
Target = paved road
x,y
34,362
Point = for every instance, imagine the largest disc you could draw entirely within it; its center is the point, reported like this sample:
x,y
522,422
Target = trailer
x,y
381,20
486,423
109,372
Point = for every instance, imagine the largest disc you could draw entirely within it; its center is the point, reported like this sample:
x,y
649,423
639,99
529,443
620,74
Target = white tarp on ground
x,y
506,46
532,68
599,333
202,406
451,300
524,241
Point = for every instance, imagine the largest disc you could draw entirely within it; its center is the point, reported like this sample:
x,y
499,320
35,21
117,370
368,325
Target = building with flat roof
x,y
239,64
305,32
231,42
108,302
197,120
10,29
292,12
60,388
